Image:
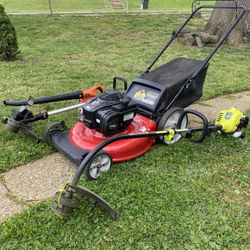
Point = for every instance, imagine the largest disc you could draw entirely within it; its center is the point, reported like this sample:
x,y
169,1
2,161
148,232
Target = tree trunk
x,y
218,23
221,19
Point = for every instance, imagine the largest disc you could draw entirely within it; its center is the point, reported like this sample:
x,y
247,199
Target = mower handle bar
x,y
218,45
195,2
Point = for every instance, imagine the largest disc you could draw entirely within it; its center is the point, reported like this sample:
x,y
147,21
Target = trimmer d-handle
x,y
92,92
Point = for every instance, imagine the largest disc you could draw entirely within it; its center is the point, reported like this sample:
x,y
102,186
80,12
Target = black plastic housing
x,y
46,99
109,113
163,84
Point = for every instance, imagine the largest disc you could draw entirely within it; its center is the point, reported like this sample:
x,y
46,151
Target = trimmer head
x,y
21,120
69,199
11,124
65,203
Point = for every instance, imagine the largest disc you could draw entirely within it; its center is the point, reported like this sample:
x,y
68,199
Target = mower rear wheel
x,y
100,164
169,120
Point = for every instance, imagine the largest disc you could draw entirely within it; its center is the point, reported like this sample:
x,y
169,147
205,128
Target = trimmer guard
x,y
68,200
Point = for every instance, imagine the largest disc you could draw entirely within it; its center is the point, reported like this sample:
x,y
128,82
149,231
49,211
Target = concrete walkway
x,y
32,183
39,180
211,107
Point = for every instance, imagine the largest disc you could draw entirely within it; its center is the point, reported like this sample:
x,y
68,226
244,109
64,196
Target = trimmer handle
x,y
92,92
203,129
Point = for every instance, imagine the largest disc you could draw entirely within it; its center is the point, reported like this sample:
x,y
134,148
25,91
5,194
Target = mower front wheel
x,y
170,119
99,165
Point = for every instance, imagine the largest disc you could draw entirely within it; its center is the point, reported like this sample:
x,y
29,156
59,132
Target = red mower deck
x,y
88,139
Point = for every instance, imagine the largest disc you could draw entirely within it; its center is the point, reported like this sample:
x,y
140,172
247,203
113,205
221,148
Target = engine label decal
x,y
148,97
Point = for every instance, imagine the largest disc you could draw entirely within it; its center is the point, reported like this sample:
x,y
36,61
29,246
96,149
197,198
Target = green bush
x,y
8,41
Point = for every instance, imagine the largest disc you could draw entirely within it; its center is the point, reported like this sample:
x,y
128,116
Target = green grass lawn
x,y
64,54
187,196
164,4
90,5
57,5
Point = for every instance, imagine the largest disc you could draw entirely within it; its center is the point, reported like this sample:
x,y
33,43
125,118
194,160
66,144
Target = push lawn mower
x,y
116,126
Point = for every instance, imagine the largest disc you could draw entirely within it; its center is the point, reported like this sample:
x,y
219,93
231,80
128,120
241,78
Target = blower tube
x,y
46,99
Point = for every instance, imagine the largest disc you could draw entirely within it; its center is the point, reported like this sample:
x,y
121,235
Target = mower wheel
x,y
54,126
169,120
100,164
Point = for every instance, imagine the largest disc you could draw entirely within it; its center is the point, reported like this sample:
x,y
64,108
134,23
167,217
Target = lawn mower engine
x,y
109,113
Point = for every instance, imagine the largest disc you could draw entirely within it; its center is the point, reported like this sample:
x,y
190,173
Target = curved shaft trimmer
x,y
69,198
230,121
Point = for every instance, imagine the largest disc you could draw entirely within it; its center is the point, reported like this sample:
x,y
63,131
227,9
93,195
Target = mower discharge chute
x,y
116,126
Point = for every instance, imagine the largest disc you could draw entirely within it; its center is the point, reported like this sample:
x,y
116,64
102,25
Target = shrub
x,y
8,41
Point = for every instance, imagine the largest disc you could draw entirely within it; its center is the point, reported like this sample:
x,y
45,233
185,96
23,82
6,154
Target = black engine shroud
x,y
109,113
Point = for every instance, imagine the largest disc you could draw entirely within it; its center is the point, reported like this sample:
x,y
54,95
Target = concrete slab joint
x,y
8,206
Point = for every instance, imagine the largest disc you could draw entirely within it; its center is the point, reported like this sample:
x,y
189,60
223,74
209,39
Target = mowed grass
x,y
186,196
57,5
165,4
88,5
61,54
